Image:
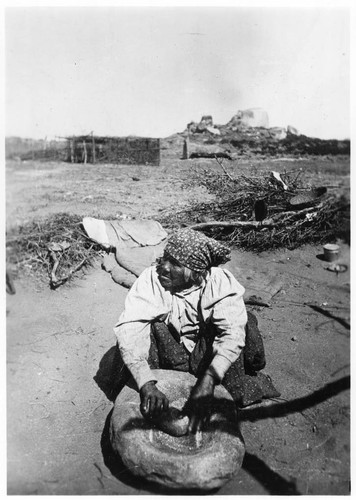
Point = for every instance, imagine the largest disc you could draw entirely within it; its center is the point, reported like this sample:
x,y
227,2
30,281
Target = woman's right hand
x,y
153,401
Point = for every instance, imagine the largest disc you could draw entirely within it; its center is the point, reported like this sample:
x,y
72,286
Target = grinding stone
x,y
203,461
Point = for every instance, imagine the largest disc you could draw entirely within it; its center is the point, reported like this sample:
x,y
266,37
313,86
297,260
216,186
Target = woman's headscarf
x,y
195,250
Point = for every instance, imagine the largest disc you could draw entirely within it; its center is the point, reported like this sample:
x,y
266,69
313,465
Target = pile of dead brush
x,y
265,212
54,248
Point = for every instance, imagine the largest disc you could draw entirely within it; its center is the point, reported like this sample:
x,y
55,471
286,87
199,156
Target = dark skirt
x,y
244,380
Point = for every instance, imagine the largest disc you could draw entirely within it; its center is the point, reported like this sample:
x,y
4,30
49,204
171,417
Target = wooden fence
x,y
127,150
88,149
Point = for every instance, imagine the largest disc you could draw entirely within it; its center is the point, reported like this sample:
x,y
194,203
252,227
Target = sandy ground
x,y
58,343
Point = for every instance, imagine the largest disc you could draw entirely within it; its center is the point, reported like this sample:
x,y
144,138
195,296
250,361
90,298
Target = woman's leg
x,y
254,352
170,353
242,380
120,375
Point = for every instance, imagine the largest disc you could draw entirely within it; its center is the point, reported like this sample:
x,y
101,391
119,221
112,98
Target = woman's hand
x,y
153,401
198,406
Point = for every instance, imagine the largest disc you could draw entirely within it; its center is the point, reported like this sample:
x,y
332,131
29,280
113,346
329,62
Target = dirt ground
x,y
58,343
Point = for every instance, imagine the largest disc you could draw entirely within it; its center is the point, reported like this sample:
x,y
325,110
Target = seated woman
x,y
186,313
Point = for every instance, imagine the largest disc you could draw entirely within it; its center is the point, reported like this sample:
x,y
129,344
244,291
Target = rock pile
x,y
248,134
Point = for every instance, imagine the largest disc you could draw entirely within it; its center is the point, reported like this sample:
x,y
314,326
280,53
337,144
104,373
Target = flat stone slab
x,y
203,461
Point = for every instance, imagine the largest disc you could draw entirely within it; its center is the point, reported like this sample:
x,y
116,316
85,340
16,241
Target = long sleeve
x,y
145,302
223,304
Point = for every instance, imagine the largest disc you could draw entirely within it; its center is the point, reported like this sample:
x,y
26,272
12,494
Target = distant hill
x,y
238,138
247,134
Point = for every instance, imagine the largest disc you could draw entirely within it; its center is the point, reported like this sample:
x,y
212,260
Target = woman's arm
x,y
222,303
228,314
146,302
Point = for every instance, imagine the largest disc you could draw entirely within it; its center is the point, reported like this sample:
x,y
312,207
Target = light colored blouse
x,y
218,299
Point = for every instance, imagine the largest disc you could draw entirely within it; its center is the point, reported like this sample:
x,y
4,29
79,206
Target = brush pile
x,y
54,248
265,212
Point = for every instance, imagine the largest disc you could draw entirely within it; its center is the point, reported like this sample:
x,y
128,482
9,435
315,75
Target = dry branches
x,y
55,248
232,219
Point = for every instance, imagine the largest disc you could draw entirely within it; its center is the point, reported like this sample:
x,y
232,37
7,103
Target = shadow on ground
x,y
252,464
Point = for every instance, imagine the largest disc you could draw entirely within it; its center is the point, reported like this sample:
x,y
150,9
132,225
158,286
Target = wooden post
x,y
158,157
72,150
85,151
93,146
186,148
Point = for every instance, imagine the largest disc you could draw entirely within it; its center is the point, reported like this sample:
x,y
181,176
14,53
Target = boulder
x,y
291,130
201,127
254,117
205,123
192,127
278,133
203,462
207,119
213,130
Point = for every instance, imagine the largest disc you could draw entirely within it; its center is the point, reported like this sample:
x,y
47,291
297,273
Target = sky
x,y
149,71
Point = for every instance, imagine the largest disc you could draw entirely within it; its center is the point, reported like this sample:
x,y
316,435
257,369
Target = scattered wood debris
x,y
321,217
56,248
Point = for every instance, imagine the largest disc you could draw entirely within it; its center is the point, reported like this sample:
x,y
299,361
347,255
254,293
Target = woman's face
x,y
172,275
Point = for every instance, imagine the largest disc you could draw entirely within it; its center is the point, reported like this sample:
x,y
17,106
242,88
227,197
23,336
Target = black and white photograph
x,y
177,247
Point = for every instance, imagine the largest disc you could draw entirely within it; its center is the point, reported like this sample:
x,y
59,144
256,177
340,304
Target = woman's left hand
x,y
198,406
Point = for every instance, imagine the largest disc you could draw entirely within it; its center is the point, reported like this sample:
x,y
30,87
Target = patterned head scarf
x,y
195,250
